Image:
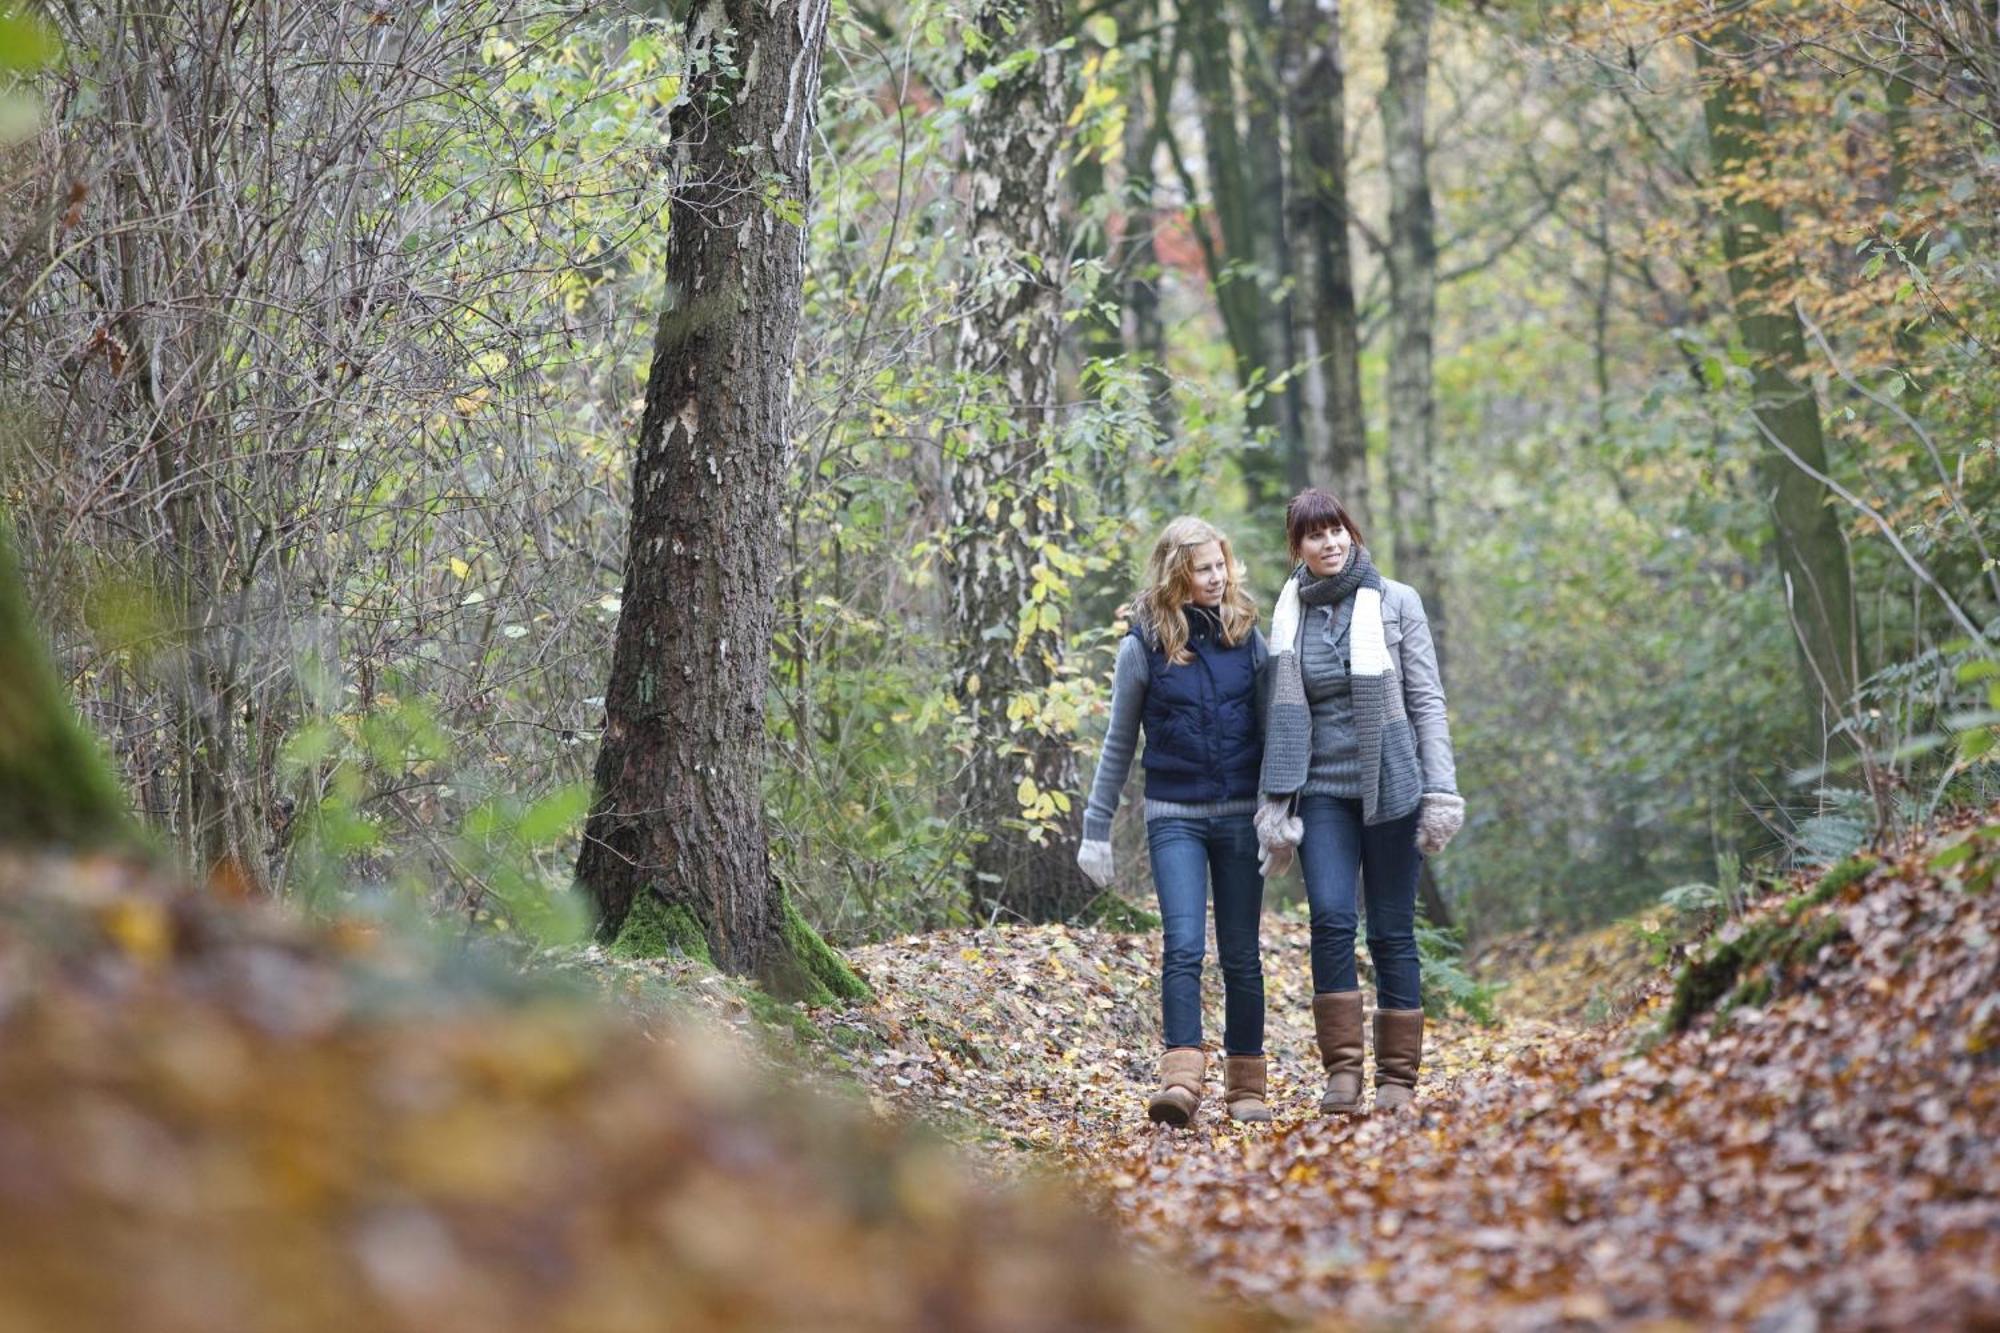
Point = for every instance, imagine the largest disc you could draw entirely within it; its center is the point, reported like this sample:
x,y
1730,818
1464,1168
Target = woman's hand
x,y
1439,817
1094,859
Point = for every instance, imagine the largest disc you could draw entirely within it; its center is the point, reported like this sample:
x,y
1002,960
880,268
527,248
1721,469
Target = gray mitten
x,y
1094,859
1441,815
1275,860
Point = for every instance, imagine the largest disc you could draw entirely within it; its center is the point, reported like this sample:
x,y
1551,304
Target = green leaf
x,y
555,815
26,43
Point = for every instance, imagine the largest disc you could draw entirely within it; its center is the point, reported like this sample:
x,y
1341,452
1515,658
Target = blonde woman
x,y
1188,676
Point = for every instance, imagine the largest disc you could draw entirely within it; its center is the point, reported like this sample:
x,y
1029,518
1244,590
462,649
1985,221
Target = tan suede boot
x,y
1179,1096
1399,1053
1243,1088
1337,1024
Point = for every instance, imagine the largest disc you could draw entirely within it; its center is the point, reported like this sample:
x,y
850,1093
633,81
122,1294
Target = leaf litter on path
x,y
1819,1156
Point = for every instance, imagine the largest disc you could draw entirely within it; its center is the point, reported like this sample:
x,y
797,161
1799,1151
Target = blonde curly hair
x,y
1170,587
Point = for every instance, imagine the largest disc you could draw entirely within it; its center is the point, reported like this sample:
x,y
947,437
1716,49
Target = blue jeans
x,y
1189,856
1338,845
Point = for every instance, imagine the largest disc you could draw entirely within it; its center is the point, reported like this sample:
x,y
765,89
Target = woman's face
x,y
1325,551
1208,572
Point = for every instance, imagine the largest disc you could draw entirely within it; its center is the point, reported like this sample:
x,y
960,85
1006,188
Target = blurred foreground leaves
x,y
218,1118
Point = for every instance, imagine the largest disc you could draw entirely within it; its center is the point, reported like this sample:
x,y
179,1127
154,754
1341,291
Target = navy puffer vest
x,y
1202,738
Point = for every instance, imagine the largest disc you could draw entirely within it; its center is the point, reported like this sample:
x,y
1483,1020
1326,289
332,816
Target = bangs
x,y
1312,510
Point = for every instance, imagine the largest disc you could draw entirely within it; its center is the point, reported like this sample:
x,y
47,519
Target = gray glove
x,y
1277,825
1274,861
1440,816
1094,859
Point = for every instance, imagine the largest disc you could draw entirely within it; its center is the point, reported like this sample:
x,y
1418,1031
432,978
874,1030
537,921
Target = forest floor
x,y
216,1115
1815,1149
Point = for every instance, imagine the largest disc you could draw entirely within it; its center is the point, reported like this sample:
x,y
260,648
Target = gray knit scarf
x,y
1288,730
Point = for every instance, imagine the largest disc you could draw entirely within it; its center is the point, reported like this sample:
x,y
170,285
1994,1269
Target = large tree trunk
x,y
1006,505
678,814
1413,307
1320,212
1812,554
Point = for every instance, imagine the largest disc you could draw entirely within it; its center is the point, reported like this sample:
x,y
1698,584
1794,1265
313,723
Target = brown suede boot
x,y
1243,1088
1399,1053
1337,1024
1180,1086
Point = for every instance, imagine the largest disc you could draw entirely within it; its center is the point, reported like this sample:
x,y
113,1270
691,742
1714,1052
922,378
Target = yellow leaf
x,y
139,928
1027,793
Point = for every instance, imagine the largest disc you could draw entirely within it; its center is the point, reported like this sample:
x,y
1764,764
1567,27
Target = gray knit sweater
x,y
1129,680
1323,666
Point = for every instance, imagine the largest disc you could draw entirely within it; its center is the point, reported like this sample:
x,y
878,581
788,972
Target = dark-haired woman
x,y
1358,775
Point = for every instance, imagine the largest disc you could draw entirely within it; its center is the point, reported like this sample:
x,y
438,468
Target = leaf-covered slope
x,y
216,1119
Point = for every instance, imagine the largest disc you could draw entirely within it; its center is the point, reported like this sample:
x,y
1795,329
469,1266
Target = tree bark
x,y
678,812
1812,553
1321,212
1413,305
1007,507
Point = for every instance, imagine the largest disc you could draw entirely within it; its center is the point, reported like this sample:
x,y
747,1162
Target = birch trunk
x,y
1005,506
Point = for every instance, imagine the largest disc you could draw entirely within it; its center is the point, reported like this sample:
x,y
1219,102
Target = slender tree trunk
x,y
1145,335
1413,308
1007,507
1232,252
1812,553
1910,239
1267,63
1099,330
678,813
1321,212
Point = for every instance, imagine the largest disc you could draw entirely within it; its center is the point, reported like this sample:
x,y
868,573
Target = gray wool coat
x,y
1414,653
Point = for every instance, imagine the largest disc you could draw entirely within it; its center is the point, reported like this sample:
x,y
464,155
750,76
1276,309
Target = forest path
x,y
1819,1159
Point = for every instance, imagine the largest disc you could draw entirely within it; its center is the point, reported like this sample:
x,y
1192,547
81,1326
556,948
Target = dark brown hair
x,y
1313,509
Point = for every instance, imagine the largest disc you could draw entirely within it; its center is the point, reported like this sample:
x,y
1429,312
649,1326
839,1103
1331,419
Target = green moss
x,y
656,929
1750,969
780,1018
55,786
1851,871
809,969
1112,912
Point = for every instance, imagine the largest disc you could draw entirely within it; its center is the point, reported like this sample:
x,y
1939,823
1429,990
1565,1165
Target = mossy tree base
x,y
805,967
656,929
800,966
